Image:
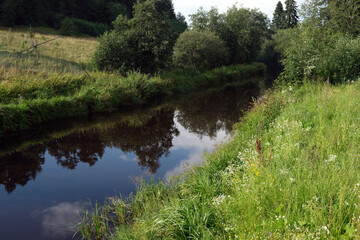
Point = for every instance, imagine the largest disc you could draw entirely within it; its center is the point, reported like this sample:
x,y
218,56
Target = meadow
x,y
290,172
61,82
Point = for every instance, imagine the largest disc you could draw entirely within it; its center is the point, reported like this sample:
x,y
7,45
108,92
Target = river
x,y
48,175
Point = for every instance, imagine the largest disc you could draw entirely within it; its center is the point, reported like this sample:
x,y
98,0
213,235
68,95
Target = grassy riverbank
x,y
291,172
38,88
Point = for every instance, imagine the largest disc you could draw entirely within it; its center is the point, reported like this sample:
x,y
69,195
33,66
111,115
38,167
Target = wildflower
x,y
332,158
326,229
258,173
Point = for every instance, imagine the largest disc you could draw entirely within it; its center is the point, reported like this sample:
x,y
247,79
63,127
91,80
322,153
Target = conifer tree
x,y
291,17
278,21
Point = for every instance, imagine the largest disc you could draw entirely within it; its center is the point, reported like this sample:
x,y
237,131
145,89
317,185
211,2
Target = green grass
x,y
291,172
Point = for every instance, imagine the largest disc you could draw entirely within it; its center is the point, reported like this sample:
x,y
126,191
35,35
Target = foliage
x,y
113,53
90,28
68,27
243,30
50,13
199,50
342,62
278,21
291,16
316,50
150,36
339,16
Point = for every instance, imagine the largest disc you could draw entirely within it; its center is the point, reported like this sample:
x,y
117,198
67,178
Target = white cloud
x,y
59,220
187,7
193,159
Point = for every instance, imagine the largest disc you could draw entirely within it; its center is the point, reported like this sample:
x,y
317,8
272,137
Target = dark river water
x,y
49,174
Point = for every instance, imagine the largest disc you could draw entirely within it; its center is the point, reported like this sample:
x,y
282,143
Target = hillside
x,y
62,55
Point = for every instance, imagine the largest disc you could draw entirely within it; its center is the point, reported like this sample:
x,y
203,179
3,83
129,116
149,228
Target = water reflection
x,y
21,167
148,134
58,221
75,148
207,115
149,142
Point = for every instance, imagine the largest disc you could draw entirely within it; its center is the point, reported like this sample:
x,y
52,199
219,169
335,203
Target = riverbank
x,y
291,171
28,100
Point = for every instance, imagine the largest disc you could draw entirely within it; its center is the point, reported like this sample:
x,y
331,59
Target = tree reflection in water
x,y
21,167
77,147
215,111
149,134
149,142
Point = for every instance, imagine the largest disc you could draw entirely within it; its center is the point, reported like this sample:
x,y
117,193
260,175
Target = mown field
x,y
60,81
290,172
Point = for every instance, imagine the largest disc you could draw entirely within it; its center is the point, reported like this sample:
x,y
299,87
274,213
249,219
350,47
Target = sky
x,y
187,7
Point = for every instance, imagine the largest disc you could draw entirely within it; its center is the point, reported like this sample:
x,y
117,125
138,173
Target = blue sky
x,y
187,7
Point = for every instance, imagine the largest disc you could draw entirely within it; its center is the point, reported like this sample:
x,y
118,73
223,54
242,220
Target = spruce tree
x,y
278,21
291,17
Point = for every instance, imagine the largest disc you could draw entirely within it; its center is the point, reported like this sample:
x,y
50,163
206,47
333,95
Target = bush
x,y
310,52
74,26
200,50
68,27
90,28
342,63
113,53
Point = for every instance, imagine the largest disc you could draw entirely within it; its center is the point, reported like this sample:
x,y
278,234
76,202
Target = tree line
x,y
91,17
51,12
156,39
325,45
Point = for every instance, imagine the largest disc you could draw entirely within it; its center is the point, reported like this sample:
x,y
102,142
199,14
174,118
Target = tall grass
x,y
291,172
64,48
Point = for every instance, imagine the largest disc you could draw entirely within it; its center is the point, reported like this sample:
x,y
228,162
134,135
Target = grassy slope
x,y
291,172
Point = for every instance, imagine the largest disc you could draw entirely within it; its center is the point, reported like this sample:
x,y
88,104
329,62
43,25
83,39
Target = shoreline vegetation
x,y
45,98
290,172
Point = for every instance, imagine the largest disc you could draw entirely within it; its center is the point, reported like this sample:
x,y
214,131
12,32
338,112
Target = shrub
x,y
113,53
310,52
68,27
199,50
74,26
90,28
342,63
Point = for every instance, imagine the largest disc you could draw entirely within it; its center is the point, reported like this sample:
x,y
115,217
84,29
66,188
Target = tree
x,y
278,21
113,53
291,17
203,20
200,50
150,37
345,16
243,30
